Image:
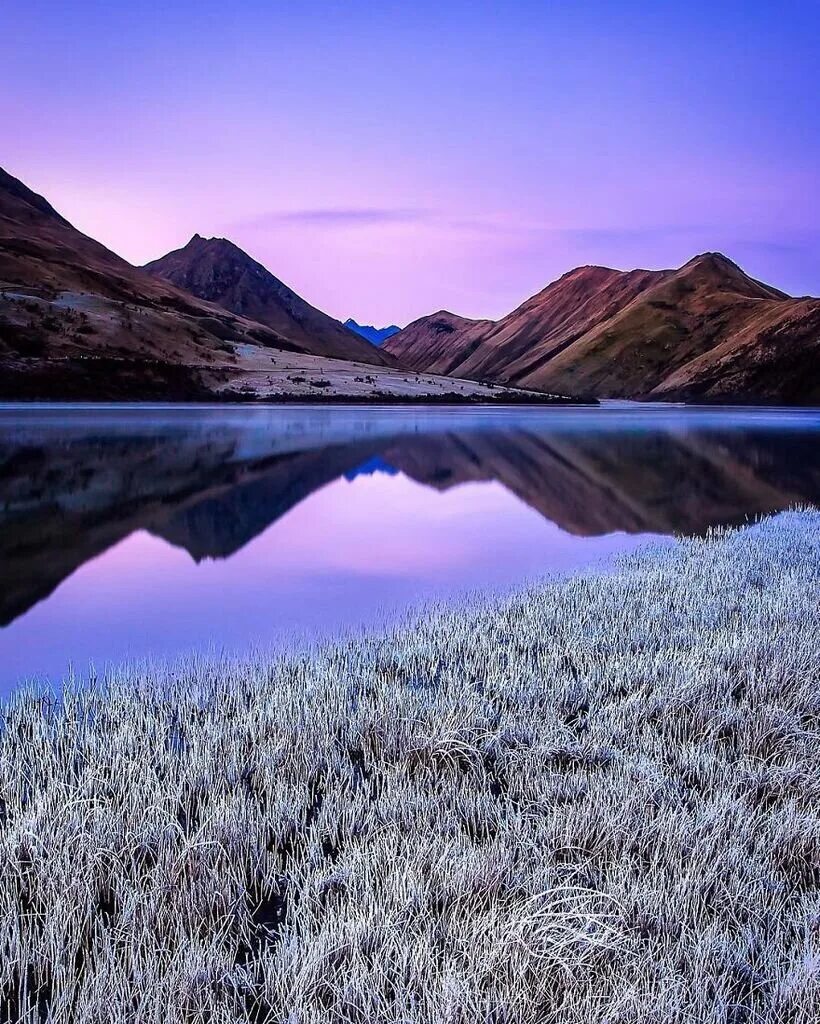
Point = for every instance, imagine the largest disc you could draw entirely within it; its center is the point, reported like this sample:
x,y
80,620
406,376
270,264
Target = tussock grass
x,y
596,800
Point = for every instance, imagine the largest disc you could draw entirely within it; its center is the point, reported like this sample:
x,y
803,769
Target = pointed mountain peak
x,y
213,244
716,270
218,271
714,260
375,335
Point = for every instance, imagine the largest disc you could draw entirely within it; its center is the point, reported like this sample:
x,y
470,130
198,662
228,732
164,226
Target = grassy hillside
x,y
596,800
706,332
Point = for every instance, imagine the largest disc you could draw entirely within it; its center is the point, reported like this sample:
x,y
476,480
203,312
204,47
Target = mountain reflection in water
x,y
77,481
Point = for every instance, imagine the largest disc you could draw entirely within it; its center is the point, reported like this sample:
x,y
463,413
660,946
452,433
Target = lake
x,y
133,531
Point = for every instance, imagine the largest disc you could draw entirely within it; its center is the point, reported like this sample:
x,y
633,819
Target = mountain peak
x,y
375,335
719,271
218,271
214,243
713,259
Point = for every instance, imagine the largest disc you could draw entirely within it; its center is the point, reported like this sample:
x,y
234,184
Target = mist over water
x,y
142,531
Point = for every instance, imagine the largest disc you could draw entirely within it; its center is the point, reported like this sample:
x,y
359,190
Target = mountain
x,y
442,340
705,332
216,270
77,322
483,348
375,335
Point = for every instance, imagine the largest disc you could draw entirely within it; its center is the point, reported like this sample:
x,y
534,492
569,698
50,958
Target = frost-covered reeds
x,y
595,801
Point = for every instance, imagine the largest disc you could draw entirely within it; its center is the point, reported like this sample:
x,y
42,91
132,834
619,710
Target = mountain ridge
x,y
79,323
14,187
706,331
207,321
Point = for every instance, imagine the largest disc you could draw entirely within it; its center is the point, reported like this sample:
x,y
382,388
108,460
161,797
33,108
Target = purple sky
x,y
390,159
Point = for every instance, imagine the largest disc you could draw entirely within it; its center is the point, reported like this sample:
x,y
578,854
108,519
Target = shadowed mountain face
x,y
705,332
209,484
442,340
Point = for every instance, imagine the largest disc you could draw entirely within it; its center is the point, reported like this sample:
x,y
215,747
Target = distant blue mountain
x,y
375,335
376,464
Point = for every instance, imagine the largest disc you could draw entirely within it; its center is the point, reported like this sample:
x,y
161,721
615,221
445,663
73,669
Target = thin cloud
x,y
338,217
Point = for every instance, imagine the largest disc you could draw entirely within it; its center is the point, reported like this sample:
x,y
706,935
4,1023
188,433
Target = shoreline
x,y
598,790
214,400
286,379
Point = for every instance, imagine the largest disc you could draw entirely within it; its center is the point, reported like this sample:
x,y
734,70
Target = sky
x,y
389,160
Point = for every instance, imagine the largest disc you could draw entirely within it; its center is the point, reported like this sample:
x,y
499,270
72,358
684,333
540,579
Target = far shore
x,y
296,379
257,376
599,791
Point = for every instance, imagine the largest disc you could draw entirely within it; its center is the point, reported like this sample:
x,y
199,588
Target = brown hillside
x,y
705,315
552,320
76,320
218,271
705,332
438,343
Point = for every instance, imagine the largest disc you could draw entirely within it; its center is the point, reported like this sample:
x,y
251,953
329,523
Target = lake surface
x,y
131,531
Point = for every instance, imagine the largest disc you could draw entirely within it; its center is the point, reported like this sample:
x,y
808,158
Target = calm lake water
x,y
158,530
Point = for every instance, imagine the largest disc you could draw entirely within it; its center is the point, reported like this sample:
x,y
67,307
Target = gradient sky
x,y
390,159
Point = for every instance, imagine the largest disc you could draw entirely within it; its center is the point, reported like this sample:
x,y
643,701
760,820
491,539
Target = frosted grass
x,y
595,800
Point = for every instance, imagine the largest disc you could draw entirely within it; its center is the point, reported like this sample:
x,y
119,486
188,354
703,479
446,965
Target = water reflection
x,y
76,483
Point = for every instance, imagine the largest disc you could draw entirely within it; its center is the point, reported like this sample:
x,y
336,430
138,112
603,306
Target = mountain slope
x,y
438,343
552,320
775,355
218,271
538,328
375,335
707,331
708,314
